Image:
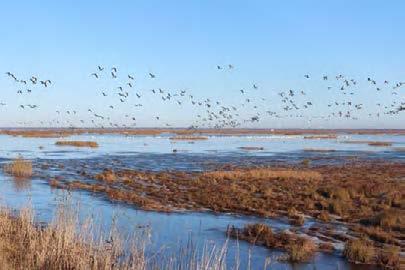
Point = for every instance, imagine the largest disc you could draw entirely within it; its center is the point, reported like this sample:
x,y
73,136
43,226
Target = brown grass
x,y
380,143
19,168
66,243
188,138
370,143
359,251
389,258
387,219
301,250
60,245
368,194
298,249
325,136
62,132
264,173
90,144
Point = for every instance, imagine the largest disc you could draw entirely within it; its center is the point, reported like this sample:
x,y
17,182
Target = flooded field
x,y
195,223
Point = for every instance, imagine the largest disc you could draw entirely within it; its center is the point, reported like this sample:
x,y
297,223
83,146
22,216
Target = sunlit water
x,y
169,231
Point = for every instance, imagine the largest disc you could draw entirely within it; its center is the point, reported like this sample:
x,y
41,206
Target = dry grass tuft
x,y
298,249
359,251
301,250
387,219
19,168
389,258
77,143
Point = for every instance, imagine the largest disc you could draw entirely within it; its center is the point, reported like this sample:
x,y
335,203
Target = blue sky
x,y
270,43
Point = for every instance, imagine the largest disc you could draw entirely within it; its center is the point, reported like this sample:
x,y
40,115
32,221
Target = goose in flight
x,y
152,75
95,75
45,83
33,80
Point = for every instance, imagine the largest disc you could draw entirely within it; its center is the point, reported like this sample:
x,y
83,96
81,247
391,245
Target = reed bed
x,y
19,168
90,144
67,243
62,244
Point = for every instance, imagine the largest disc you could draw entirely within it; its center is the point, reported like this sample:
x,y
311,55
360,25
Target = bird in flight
x,y
45,83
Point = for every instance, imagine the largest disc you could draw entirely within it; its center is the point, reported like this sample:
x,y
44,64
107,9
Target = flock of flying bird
x,y
213,113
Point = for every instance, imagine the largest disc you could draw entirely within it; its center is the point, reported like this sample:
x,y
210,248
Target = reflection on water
x,y
21,183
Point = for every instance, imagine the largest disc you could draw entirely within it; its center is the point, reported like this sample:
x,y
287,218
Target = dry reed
x,y
19,167
77,143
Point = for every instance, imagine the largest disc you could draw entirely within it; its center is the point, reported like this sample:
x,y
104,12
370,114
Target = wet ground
x,y
168,231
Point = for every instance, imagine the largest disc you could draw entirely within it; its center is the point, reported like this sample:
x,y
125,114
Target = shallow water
x,y
156,153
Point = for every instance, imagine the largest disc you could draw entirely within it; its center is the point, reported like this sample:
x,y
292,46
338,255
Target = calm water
x,y
169,231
